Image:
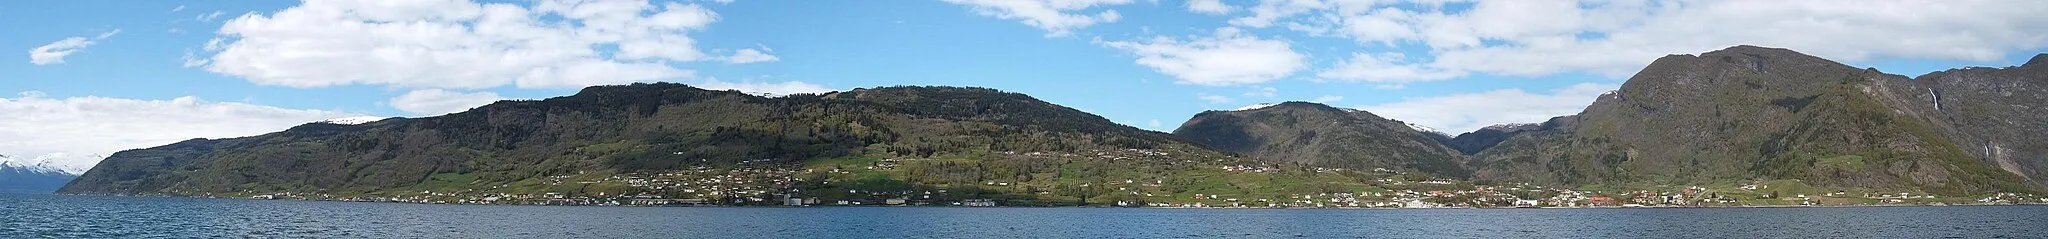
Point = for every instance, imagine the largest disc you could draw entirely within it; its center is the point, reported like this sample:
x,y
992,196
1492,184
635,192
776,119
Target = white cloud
x,y
1267,92
55,52
208,17
1154,124
1209,7
750,55
1328,99
1213,99
1268,12
458,44
1056,17
191,60
782,88
1466,112
179,8
1534,38
434,102
1229,57
77,132
1384,68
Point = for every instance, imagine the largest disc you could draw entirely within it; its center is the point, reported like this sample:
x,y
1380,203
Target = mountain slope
x,y
1995,114
1479,140
1745,113
25,177
1320,135
625,129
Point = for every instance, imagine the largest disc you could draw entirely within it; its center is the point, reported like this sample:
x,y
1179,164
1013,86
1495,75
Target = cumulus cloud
x,y
77,132
55,52
1056,17
1209,6
1228,57
745,56
459,44
433,102
780,88
1534,38
1466,112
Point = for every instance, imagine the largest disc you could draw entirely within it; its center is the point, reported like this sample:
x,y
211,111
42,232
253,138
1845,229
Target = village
x,y
785,187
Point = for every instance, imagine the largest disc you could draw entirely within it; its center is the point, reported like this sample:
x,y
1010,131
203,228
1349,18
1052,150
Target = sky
x,y
100,76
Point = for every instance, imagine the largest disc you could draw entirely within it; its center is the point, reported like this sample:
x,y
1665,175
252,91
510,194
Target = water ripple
x,y
48,216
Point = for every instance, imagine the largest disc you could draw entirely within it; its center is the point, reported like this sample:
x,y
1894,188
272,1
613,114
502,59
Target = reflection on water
x,y
122,217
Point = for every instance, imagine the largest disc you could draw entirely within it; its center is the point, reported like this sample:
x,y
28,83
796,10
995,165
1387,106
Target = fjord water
x,y
40,216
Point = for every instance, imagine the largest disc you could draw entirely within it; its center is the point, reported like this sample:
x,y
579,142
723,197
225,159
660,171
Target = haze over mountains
x,y
1732,115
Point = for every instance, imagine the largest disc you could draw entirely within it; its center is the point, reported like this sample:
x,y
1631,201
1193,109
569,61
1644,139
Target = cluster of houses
x,y
779,186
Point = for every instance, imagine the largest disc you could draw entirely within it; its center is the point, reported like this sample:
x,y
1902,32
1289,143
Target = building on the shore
x,y
978,203
1599,201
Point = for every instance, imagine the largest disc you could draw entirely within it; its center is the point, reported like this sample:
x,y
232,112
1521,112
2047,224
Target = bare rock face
x,y
1749,112
1323,136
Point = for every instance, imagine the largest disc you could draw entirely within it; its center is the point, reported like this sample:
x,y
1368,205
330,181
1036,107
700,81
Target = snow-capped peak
x,y
353,120
1255,106
36,165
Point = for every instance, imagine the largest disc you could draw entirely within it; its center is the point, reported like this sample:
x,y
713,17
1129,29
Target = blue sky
x,y
108,75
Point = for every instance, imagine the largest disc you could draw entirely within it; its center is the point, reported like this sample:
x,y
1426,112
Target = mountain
x,y
1747,113
1323,136
17,176
890,139
1993,114
1479,140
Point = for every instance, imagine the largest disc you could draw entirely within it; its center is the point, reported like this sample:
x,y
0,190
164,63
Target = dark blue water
x,y
38,216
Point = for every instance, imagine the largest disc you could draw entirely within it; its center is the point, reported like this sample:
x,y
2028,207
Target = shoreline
x,y
1096,207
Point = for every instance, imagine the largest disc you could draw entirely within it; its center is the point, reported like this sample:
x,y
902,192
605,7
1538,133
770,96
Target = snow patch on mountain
x,y
1255,106
1507,127
1424,129
353,120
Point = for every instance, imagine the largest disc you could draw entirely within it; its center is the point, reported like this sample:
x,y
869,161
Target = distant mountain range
x,y
1728,116
20,176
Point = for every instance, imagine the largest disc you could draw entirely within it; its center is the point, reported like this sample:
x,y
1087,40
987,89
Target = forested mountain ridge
x,y
1746,113
632,128
1471,143
1319,135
